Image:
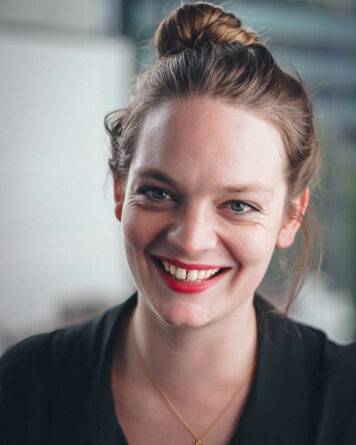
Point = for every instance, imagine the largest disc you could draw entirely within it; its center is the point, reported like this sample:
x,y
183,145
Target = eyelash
x,y
147,193
251,208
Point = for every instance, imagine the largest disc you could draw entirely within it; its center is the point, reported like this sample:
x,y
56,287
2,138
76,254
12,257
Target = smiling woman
x,y
206,185
212,162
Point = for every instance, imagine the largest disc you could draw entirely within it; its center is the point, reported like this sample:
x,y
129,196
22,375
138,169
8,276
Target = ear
x,y
118,199
292,222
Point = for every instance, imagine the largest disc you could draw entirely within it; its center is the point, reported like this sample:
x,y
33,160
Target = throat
x,y
214,354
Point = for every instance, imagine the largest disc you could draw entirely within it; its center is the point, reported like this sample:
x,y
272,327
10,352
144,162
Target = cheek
x,y
253,244
136,236
140,228
135,232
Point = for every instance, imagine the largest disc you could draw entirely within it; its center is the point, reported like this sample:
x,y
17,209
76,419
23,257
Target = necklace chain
x,y
170,404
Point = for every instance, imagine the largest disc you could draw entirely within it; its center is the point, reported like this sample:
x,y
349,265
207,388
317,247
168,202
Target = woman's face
x,y
202,209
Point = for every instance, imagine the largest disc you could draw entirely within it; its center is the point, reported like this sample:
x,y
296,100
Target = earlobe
x,y
117,199
292,223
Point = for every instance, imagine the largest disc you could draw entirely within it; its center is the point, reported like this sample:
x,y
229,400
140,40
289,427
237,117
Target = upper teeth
x,y
188,275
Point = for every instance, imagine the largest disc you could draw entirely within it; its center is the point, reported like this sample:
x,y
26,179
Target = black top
x,y
56,388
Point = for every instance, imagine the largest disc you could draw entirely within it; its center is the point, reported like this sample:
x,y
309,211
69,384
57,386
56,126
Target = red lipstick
x,y
185,286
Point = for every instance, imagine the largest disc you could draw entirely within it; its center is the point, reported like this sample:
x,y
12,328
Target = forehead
x,y
200,138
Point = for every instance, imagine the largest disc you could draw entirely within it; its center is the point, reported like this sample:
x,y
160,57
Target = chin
x,y
185,314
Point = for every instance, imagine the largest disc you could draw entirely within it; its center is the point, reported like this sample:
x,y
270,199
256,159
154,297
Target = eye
x,y
240,207
155,194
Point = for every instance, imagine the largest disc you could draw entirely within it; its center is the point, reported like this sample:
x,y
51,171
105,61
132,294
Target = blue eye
x,y
240,206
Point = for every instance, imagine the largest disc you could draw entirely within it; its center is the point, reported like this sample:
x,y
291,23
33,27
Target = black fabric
x,y
55,388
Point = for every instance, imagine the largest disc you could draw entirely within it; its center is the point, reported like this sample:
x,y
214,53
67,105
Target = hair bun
x,y
193,24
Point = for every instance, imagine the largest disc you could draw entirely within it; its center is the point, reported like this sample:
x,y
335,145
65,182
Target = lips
x,y
188,278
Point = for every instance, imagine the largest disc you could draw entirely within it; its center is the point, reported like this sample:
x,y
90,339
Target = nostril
x,y
191,239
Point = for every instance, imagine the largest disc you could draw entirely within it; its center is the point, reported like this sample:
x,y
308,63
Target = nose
x,y
193,231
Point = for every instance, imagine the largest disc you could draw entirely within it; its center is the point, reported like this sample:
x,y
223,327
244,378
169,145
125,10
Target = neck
x,y
224,350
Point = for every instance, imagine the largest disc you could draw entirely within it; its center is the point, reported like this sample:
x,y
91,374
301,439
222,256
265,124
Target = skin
x,y
221,203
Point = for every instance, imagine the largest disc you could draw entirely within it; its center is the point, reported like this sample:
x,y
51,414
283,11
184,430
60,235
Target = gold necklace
x,y
198,441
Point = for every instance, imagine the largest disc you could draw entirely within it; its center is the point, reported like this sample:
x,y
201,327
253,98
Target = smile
x,y
188,278
188,275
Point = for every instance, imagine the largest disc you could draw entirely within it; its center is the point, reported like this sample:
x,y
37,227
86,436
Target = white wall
x,y
58,236
81,15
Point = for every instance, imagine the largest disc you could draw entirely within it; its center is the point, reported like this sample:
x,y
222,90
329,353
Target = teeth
x,y
188,275
181,273
201,274
192,275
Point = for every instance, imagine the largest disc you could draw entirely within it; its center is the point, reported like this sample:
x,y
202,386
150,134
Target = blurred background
x,y
64,65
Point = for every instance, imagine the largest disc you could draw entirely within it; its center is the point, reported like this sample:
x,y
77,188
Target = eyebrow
x,y
255,186
250,187
160,176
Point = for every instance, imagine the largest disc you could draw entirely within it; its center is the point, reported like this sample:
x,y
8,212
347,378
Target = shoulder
x,y
312,341
38,371
330,364
55,346
323,371
53,349
321,353
332,379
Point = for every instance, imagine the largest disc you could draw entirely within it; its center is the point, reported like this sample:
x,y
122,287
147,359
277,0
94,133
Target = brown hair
x,y
204,51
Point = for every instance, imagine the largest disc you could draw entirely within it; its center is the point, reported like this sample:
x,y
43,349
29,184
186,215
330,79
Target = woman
x,y
212,163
